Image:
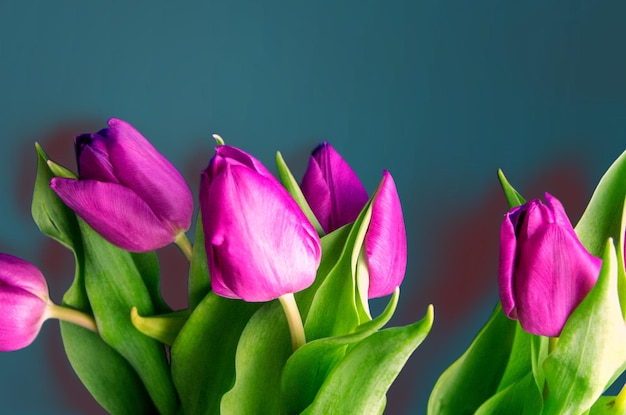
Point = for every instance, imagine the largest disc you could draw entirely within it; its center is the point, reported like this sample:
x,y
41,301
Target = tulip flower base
x,y
280,276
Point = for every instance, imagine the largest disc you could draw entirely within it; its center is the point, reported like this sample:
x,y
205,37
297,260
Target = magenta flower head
x,y
544,271
23,302
127,191
259,244
385,240
332,189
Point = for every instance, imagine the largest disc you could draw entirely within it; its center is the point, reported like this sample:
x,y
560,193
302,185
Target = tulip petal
x,y
234,156
115,212
385,241
22,316
139,166
93,158
332,188
259,243
556,277
18,273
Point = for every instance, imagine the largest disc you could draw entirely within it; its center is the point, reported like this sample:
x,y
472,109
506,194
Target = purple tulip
x,y
332,189
544,271
23,302
127,191
259,244
385,240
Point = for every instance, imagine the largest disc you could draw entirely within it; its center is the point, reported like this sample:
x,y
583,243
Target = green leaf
x,y
199,279
105,373
307,369
147,264
203,354
603,216
482,366
114,285
513,198
262,352
521,397
294,190
591,347
359,382
163,327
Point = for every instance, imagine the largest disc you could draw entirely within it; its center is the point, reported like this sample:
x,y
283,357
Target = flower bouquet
x,y
279,281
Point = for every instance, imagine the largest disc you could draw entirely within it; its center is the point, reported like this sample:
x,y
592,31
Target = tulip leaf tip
x,y
218,139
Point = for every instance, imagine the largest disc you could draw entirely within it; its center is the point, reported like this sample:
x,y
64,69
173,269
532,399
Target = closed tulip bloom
x,y
385,240
127,191
23,302
259,244
332,189
544,270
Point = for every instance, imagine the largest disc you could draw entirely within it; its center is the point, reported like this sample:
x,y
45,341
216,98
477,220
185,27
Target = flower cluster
x,y
321,249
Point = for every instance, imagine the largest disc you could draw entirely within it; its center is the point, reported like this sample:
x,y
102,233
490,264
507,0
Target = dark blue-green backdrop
x,y
441,93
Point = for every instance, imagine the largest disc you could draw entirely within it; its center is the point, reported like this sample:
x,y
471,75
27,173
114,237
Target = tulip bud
x,y
23,302
544,271
332,189
259,244
385,240
127,191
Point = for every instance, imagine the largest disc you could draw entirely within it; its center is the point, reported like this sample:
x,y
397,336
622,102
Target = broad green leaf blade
x,y
110,379
114,286
294,190
147,264
262,352
513,198
521,397
307,368
591,346
107,375
203,354
603,216
199,279
482,366
359,382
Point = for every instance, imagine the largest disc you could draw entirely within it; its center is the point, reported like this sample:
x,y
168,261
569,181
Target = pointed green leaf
x,y
294,190
203,354
513,198
609,405
359,382
307,369
603,216
482,365
591,346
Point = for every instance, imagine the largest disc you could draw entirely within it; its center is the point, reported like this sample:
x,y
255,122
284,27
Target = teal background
x,y
441,93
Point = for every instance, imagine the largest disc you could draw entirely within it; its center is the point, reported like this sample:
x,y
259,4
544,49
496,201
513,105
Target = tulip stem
x,y
294,320
185,245
72,316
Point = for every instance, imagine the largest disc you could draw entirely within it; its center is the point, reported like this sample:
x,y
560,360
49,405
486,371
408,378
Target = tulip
x,y
332,189
23,302
259,244
385,240
127,191
544,270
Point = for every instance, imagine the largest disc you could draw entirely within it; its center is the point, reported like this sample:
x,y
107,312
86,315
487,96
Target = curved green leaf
x,y
359,382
